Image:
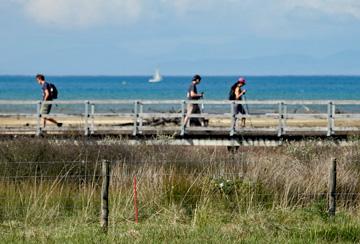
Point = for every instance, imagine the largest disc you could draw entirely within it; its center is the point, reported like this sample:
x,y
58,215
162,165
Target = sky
x,y
180,37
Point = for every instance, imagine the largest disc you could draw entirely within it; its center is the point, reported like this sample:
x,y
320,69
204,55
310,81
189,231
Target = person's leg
x,y
197,110
46,110
52,121
240,109
237,111
243,120
188,113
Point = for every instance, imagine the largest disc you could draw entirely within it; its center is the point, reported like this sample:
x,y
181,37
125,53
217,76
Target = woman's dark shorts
x,y
240,109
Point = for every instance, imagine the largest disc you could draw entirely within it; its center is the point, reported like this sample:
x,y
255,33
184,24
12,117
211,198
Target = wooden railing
x,y
87,111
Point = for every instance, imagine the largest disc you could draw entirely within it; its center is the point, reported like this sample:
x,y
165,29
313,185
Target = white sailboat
x,y
157,77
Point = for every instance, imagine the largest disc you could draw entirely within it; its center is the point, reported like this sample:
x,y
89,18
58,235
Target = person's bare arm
x,y
239,93
194,95
47,94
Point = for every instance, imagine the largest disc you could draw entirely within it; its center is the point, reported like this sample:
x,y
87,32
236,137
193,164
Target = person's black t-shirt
x,y
192,88
44,87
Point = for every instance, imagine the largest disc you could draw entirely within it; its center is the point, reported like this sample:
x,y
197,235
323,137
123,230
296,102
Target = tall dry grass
x,y
42,180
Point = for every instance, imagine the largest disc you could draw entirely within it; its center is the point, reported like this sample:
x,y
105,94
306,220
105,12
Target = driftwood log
x,y
155,122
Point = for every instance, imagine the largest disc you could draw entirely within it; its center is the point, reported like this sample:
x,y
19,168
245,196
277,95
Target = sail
x,y
157,76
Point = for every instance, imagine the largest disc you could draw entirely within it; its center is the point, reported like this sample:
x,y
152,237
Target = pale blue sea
x,y
175,87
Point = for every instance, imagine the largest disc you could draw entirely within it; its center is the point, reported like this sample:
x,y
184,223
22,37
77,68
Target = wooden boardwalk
x,y
165,118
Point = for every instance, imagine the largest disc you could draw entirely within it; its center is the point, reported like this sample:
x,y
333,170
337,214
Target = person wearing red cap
x,y
236,93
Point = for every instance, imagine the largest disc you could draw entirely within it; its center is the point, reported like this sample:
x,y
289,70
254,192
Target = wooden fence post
x,y
183,107
104,222
141,108
282,118
92,118
332,189
330,126
233,119
136,118
38,118
86,118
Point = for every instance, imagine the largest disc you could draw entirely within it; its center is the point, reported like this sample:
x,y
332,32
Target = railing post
x,y
86,118
333,118
183,106
92,118
136,116
332,189
233,118
38,118
104,222
285,118
330,119
141,108
281,119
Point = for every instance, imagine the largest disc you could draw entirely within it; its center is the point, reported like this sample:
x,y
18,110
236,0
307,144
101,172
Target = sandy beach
x,y
24,122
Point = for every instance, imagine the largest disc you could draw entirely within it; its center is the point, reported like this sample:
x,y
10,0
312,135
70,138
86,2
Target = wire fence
x,y
98,187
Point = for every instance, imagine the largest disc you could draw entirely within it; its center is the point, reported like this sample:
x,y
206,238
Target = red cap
x,y
242,80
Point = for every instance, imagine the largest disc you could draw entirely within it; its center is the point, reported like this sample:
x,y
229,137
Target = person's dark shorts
x,y
46,108
193,109
240,109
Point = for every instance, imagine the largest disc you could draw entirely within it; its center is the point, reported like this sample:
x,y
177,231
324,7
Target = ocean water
x,y
175,87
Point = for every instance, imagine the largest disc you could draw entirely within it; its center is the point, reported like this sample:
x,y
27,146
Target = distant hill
x,y
342,63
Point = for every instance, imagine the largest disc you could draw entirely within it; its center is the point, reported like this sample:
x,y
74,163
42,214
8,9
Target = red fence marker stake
x,y
135,202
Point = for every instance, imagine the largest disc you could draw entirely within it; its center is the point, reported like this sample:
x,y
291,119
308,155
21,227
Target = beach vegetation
x,y
50,192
